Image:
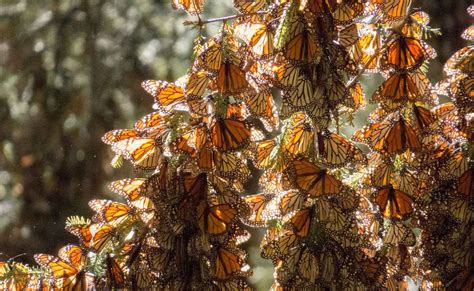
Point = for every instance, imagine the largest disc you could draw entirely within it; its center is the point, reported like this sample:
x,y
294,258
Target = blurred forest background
x,y
70,71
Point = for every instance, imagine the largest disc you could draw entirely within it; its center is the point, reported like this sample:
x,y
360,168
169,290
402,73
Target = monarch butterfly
x,y
406,53
301,94
262,105
267,157
229,134
308,265
258,204
393,203
319,113
116,213
389,137
117,135
335,91
291,201
402,87
93,236
249,6
468,34
114,273
380,173
67,271
346,11
363,51
313,180
405,181
328,263
298,135
231,285
223,185
231,166
195,190
226,263
216,218
278,246
196,84
144,153
102,235
439,151
130,189
465,184
210,58
195,87
204,153
141,277
301,221
462,210
416,24
195,187
318,6
358,98
349,35
396,9
160,260
231,79
303,48
336,151
423,117
398,233
461,62
287,75
167,95
182,145
455,166
236,111
258,35
462,90
152,125
373,269
446,112
193,7
287,270
332,215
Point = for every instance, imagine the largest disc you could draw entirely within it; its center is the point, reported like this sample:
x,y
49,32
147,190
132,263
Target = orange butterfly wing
x,y
394,203
226,264
229,134
405,53
313,180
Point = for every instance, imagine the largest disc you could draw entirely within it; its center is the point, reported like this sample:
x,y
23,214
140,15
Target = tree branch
x,y
201,22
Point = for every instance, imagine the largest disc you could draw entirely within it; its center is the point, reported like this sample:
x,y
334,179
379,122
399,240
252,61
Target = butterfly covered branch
x,y
266,100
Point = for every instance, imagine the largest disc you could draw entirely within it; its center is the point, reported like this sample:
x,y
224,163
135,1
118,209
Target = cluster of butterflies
x,y
447,239
337,217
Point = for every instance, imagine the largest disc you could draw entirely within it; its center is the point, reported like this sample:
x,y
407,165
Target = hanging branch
x,y
200,22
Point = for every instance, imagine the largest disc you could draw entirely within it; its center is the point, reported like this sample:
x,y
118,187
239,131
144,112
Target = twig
x,y
14,257
225,18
